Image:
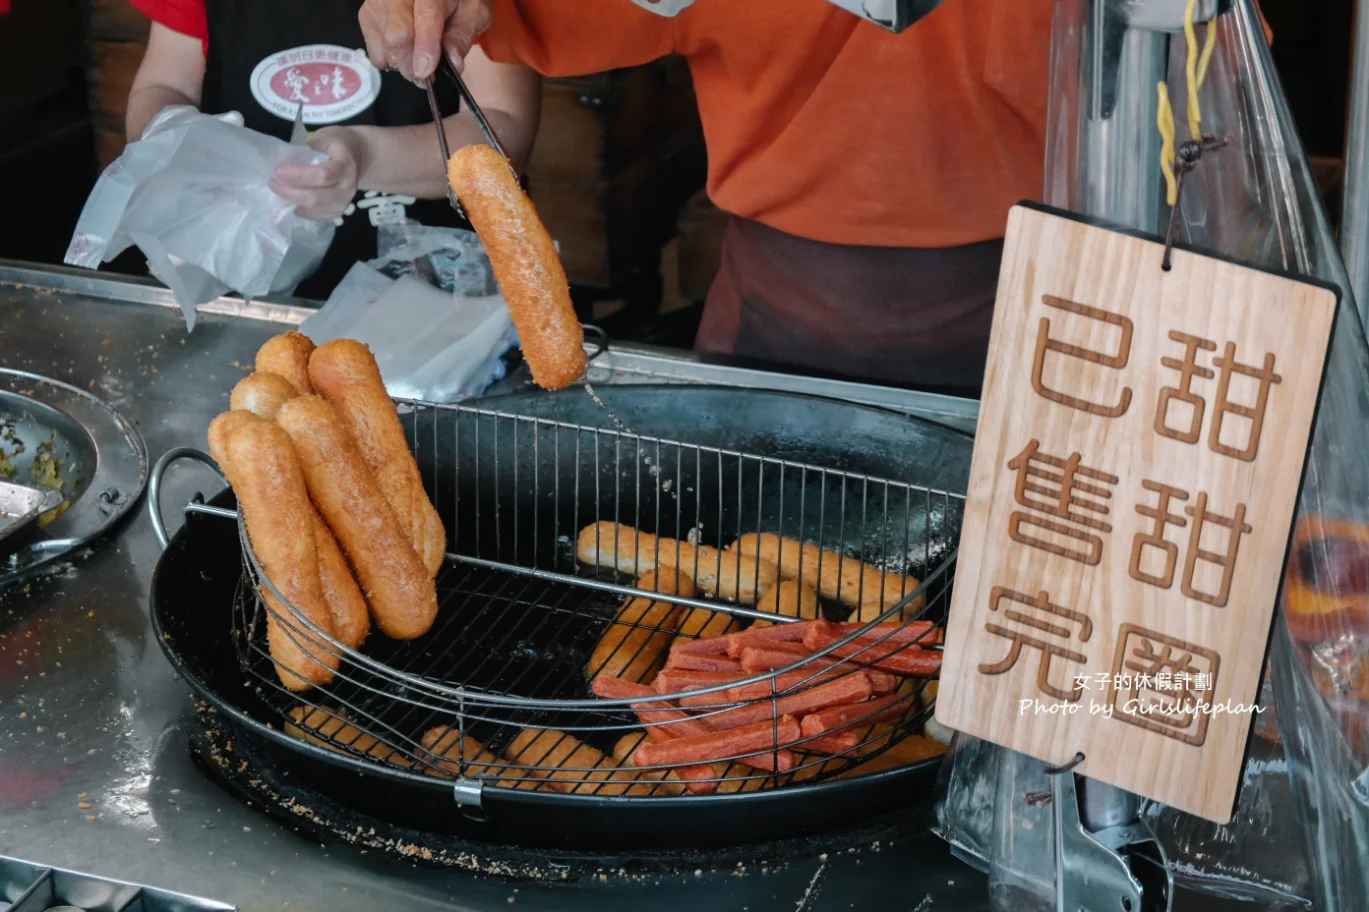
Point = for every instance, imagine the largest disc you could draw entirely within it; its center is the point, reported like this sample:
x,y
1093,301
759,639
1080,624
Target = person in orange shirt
x,y
868,174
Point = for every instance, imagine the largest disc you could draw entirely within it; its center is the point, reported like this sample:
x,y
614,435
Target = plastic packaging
x,y
448,258
192,194
430,345
1255,201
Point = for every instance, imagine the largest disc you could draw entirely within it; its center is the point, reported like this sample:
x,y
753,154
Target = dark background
x,y
617,174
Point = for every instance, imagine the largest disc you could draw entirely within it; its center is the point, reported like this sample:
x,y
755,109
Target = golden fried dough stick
x,y
262,394
288,355
864,587
730,575
261,464
346,374
525,262
634,645
398,588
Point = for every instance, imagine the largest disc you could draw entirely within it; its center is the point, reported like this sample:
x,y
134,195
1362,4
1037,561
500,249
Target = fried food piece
x,y
739,778
912,749
398,589
732,575
768,736
447,743
332,730
351,620
789,598
346,374
861,586
288,355
668,782
848,719
664,721
264,470
885,655
262,394
685,660
525,262
590,773
635,644
700,623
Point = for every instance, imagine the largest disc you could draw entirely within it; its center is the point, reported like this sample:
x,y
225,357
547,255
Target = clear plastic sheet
x,y
1257,202
452,259
430,344
193,195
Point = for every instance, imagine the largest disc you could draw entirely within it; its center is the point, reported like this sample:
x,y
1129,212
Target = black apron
x,y
244,33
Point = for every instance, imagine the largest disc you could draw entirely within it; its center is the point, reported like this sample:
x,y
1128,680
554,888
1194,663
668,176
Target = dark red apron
x,y
908,317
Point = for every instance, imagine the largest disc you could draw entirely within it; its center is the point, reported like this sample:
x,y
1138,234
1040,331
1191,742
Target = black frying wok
x,y
195,580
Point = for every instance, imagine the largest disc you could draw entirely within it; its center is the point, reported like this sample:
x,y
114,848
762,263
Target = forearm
x,y
405,160
145,101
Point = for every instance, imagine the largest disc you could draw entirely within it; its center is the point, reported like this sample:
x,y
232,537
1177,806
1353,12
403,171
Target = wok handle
x,y
154,485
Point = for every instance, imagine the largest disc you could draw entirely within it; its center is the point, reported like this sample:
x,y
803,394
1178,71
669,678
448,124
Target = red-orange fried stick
x,y
903,633
662,719
678,679
719,745
869,712
690,661
899,659
734,643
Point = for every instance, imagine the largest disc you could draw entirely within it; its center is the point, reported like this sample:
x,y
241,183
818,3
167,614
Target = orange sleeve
x,y
559,38
1264,21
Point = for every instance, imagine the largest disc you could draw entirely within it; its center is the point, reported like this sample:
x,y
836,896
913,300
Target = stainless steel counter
x,y
95,773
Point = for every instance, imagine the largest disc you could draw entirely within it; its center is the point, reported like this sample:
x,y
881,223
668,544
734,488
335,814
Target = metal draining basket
x,y
498,693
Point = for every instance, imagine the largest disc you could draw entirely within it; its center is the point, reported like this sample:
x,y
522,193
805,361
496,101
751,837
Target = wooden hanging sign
x,y
1140,448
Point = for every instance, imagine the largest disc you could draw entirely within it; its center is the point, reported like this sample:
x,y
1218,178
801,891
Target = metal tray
x,y
20,509
28,887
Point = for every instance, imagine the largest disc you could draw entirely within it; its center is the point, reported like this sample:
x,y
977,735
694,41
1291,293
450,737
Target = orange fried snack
x,y
288,355
264,470
525,262
346,374
398,588
262,394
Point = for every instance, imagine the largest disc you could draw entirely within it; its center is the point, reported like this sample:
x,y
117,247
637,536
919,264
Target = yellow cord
x,y
1195,71
1166,123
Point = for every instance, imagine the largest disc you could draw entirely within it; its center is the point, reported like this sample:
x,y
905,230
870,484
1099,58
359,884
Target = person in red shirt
x,y
263,60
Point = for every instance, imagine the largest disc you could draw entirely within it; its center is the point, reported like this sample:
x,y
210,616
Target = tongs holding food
x,y
469,101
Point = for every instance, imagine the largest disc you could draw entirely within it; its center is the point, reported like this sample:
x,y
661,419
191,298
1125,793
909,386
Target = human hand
x,y
408,35
324,191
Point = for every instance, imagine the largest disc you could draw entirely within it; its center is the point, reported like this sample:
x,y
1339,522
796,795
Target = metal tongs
x,y
444,65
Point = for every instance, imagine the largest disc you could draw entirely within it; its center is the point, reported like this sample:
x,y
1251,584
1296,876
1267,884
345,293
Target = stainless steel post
x,y
1126,57
1354,227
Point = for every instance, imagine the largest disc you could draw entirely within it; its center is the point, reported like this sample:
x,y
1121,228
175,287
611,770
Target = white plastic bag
x,y
193,196
430,345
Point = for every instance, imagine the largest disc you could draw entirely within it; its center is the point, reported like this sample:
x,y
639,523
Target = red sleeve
x,y
185,16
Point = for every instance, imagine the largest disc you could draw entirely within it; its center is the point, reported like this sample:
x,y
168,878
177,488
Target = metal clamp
x,y
469,796
154,488
1116,869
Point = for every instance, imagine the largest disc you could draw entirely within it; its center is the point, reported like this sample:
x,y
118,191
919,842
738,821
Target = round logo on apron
x,y
333,83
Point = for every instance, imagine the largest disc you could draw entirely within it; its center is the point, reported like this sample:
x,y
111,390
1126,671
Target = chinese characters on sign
x,y
1140,447
1066,490
1164,692
1057,627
